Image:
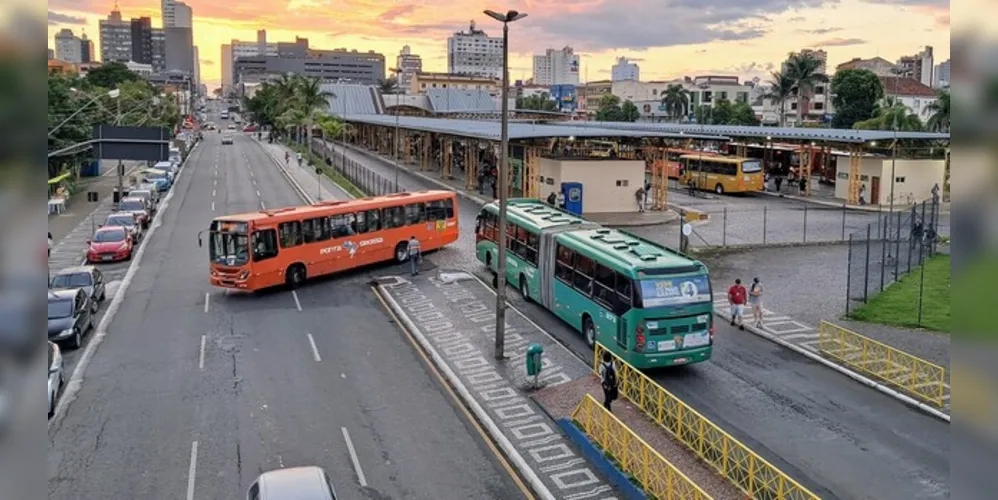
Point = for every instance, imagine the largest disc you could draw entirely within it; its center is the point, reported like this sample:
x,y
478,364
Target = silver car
x,y
295,483
56,376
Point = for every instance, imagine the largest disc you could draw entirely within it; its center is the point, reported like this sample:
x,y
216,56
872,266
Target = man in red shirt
x,y
736,297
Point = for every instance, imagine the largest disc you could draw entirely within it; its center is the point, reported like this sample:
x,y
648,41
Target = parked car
x,y
168,166
250,128
137,207
126,220
86,278
299,483
226,139
56,377
149,194
70,316
110,244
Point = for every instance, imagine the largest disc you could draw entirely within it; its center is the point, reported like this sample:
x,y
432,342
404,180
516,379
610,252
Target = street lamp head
x,y
113,94
508,17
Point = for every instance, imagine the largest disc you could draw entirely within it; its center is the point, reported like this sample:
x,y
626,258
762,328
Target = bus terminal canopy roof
x,y
779,133
490,130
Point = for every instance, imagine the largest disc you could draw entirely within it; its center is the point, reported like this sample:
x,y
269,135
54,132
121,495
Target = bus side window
x,y
490,227
583,279
350,223
290,234
449,208
531,248
361,222
339,226
307,232
435,211
563,268
624,291
264,244
604,288
321,229
414,214
373,220
392,217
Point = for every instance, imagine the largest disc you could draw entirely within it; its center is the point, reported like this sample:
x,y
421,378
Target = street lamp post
x,y
505,19
398,73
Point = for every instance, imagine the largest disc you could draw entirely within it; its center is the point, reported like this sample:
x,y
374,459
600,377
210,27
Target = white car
x,y
226,139
56,377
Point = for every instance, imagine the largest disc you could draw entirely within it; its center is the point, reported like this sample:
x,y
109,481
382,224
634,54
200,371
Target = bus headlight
x,y
243,275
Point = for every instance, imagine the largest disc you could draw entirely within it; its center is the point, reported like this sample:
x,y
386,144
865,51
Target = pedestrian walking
x,y
639,197
692,186
935,194
414,254
778,180
560,200
736,297
299,159
608,380
287,158
755,300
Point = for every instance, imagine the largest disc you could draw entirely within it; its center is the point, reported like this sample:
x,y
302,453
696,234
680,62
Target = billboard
x,y
565,96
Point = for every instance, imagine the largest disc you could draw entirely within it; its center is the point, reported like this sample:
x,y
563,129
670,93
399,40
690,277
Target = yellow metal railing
x,y
913,375
652,471
729,457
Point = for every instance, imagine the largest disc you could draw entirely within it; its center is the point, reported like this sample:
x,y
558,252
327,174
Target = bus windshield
x,y
229,249
660,292
751,167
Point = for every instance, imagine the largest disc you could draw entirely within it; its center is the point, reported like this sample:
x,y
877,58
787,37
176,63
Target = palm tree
x,y
939,119
891,115
781,88
676,100
311,102
804,70
284,93
332,129
389,85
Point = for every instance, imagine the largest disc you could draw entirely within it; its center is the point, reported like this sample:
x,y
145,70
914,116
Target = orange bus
x,y
288,245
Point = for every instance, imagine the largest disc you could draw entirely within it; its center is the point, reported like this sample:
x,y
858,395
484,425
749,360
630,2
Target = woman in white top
x,y
755,299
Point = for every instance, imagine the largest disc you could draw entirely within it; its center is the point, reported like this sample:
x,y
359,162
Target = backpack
x,y
609,377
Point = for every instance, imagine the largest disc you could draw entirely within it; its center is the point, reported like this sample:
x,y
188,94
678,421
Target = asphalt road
x,y
284,379
839,438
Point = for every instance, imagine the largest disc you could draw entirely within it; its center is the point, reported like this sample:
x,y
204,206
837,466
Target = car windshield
x,y
675,291
751,167
109,236
72,280
230,249
60,309
131,206
120,221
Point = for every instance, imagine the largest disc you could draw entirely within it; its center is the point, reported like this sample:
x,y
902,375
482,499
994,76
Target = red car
x,y
249,128
110,244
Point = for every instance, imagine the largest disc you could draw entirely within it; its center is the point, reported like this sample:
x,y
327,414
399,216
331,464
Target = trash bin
x,y
534,361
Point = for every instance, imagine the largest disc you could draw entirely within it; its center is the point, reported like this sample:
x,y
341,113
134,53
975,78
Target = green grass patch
x,y
331,173
898,304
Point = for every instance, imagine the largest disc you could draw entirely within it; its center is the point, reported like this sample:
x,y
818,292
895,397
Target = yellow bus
x,y
723,174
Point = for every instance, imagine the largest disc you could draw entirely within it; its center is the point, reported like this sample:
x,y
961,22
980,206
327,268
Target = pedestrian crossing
x,y
807,337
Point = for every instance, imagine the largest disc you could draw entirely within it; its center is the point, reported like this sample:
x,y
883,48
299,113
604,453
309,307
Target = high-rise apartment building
x,y
919,66
68,47
474,53
176,14
115,38
180,50
625,70
197,66
556,67
141,40
236,49
409,64
158,50
87,54
941,75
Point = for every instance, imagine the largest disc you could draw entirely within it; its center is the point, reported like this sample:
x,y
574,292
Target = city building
x,y
919,66
51,54
590,93
197,67
142,69
87,54
556,67
115,38
474,53
226,62
815,103
409,64
68,47
910,92
179,50
236,49
158,50
59,67
340,64
625,70
941,75
422,82
877,65
141,29
176,14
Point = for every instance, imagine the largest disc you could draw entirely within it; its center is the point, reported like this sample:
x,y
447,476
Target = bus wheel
x,y
719,189
589,330
402,252
295,276
524,288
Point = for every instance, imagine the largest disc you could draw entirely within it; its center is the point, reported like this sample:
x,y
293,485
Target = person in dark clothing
x,y
693,187
608,380
552,199
778,180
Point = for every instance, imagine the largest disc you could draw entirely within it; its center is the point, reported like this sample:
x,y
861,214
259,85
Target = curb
x,y
615,476
323,167
507,447
287,175
907,400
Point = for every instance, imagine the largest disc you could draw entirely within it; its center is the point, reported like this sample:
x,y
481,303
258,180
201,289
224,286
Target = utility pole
x,y
121,165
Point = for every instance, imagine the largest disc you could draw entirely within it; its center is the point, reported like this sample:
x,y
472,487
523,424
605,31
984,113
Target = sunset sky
x,y
668,38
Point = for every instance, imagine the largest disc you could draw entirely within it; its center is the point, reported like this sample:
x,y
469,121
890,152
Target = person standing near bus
x,y
755,300
608,380
414,254
736,297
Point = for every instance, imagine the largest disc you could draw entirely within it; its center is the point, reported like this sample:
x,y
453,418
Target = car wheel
x,y
76,341
589,330
402,252
719,189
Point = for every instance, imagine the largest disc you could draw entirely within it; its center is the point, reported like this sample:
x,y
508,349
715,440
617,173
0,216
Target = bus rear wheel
x,y
719,189
295,276
402,252
589,330
524,288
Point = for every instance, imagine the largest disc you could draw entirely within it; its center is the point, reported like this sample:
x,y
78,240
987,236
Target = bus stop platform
x,y
451,316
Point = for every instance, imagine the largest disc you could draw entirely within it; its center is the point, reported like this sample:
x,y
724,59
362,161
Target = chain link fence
x,y
371,183
887,249
781,226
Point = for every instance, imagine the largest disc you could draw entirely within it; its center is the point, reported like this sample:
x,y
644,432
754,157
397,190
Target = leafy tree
x,y
743,114
781,89
610,109
541,102
389,85
856,93
803,70
110,75
892,115
704,114
676,100
333,129
721,112
629,112
939,119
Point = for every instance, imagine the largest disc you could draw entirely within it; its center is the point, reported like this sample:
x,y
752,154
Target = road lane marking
x,y
216,182
192,470
251,174
204,339
353,457
297,303
213,192
263,206
315,350
213,206
258,193
207,297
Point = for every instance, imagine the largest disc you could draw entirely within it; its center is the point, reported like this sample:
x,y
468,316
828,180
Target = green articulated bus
x,y
650,305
